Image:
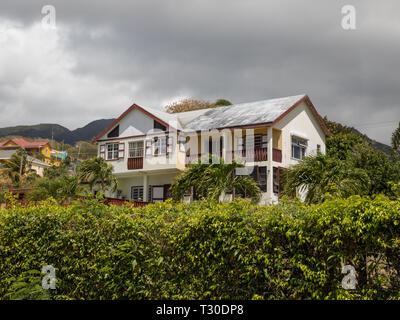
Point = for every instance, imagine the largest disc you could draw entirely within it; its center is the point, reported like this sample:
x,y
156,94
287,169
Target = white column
x,y
270,174
145,187
227,145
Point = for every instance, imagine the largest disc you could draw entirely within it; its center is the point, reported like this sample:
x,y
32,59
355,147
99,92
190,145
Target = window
x,y
276,180
112,151
136,149
262,178
159,146
137,193
318,148
299,147
159,126
114,132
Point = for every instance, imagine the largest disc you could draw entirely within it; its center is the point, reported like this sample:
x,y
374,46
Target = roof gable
x,y
159,116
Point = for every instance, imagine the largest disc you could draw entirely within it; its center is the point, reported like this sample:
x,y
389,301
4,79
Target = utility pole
x,y
77,158
20,167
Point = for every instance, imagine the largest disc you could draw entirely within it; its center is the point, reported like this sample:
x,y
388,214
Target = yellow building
x,y
34,148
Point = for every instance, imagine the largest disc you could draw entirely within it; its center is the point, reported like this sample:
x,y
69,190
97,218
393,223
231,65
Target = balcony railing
x,y
276,155
255,155
135,163
251,155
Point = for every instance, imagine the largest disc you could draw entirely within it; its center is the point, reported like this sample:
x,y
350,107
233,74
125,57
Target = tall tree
x,y
212,180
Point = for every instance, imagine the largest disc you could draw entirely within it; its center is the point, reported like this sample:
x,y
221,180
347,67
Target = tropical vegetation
x,y
202,250
214,178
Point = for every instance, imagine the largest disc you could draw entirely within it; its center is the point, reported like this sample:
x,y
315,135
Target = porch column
x,y
227,145
145,187
270,173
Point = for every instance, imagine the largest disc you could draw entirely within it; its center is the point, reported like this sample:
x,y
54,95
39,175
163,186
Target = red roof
x,y
26,144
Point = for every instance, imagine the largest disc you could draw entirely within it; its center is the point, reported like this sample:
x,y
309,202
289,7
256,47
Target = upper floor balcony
x,y
249,155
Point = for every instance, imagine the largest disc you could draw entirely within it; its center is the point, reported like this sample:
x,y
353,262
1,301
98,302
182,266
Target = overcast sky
x,y
105,55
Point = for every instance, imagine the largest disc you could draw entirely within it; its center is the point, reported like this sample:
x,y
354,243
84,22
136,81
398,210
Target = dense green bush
x,y
204,250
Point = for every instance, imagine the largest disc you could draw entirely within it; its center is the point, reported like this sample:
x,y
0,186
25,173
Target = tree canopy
x,y
396,140
193,104
350,167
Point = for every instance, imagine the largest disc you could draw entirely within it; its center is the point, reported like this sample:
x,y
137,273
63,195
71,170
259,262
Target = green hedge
x,y
202,250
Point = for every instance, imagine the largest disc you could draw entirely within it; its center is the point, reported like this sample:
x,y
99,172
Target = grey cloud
x,y
149,52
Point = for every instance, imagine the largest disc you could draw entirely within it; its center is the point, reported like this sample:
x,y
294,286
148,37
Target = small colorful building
x,y
33,148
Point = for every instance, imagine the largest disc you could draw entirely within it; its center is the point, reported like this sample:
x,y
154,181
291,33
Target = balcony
x,y
253,155
135,163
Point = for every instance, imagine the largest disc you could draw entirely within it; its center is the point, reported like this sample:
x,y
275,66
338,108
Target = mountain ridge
x,y
57,132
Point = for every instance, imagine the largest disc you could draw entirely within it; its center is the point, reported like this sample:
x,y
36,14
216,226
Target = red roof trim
x,y
313,109
123,115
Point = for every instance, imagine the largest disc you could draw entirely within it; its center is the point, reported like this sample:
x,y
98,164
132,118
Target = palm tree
x,y
213,179
18,166
97,171
322,175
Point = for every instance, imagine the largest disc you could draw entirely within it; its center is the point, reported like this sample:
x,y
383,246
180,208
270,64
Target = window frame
x,y
140,190
137,151
114,152
301,144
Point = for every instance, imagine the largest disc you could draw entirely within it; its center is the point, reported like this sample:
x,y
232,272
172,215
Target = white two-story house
x,y
148,147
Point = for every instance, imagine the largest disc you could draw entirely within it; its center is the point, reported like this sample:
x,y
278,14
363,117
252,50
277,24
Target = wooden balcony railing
x,y
276,155
252,155
255,155
135,163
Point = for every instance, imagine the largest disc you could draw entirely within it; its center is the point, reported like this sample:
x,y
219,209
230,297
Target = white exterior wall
x,y
301,121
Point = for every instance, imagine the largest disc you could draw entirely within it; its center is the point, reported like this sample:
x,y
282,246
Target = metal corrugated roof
x,y
249,113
